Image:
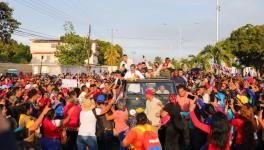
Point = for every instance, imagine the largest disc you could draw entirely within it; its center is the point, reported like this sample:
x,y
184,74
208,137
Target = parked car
x,y
12,72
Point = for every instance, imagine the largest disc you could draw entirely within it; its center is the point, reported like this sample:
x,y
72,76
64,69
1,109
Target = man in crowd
x,y
163,90
179,78
126,62
133,74
184,103
153,108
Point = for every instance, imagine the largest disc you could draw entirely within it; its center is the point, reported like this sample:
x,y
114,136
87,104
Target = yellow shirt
x,y
26,121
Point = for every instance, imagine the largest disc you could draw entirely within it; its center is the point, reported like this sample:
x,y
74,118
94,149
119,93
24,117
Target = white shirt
x,y
152,109
82,95
129,75
87,123
127,64
206,98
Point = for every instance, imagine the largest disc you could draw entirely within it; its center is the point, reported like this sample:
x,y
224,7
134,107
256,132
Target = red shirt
x,y
74,118
238,124
49,129
207,129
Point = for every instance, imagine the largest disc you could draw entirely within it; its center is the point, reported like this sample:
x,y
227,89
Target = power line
x,y
52,8
37,32
70,5
40,11
31,3
30,34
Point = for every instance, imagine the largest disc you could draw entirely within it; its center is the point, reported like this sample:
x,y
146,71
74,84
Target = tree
x,y
175,63
14,52
73,48
7,23
103,47
112,56
247,44
69,27
158,59
184,63
217,53
199,61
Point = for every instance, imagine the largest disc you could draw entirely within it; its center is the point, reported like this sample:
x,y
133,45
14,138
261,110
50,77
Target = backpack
x,y
150,139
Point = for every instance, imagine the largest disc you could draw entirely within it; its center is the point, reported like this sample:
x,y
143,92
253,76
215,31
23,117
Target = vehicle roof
x,y
150,80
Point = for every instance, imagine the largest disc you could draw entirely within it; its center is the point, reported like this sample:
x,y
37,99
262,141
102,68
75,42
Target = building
x,y
44,59
43,56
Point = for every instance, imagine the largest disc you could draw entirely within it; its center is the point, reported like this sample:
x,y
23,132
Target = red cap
x,y
149,92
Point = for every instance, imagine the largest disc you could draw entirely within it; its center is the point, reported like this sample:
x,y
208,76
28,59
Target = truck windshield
x,y
158,87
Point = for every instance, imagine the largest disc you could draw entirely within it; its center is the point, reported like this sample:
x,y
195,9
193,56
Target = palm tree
x,y
218,53
112,56
184,63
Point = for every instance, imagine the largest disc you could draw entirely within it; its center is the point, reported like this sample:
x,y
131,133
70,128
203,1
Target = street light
x,y
217,12
41,64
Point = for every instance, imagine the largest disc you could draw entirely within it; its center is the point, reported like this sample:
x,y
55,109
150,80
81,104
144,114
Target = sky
x,y
165,28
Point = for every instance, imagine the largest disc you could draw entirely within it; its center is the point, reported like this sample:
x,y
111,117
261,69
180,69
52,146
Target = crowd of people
x,y
214,112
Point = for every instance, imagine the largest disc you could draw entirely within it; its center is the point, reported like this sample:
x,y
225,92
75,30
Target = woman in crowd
x,y
30,125
219,133
52,129
73,124
174,125
120,117
87,129
245,126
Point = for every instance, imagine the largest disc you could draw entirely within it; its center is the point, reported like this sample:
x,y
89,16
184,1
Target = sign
x,y
67,83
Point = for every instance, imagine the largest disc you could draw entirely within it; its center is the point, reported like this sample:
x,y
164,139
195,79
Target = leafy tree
x,y
7,23
112,55
14,52
184,63
218,53
247,44
103,47
69,27
199,61
73,49
158,59
175,63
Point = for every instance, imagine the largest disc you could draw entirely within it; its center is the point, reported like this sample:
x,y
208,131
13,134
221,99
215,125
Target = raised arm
x,y
107,108
261,122
39,120
196,122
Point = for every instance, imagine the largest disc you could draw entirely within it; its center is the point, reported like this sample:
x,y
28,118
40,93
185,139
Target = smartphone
x,y
191,97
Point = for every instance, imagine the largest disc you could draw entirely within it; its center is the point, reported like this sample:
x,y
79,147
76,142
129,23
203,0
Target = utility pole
x,y
217,13
41,64
112,42
89,48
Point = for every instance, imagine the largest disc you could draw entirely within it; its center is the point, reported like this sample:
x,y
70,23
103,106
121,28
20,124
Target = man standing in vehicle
x,y
133,74
126,62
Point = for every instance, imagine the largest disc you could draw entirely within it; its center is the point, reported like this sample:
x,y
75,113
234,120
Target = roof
x,y
44,40
42,53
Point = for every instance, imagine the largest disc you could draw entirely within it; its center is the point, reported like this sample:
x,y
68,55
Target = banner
x,y
67,83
